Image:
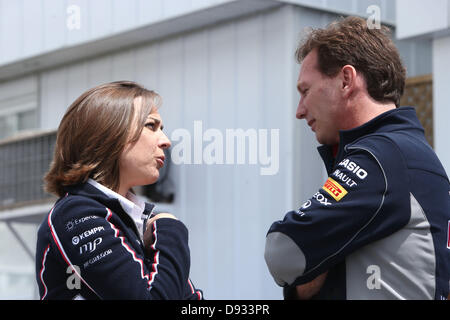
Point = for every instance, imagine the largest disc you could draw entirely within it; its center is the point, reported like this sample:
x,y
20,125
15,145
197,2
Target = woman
x,y
100,241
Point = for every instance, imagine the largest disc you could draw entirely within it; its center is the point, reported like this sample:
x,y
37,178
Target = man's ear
x,y
348,74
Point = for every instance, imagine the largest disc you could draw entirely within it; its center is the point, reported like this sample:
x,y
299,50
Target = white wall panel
x,y
99,70
100,18
76,81
355,7
441,99
53,98
277,192
54,18
220,217
33,35
198,211
247,201
410,12
123,65
147,66
150,11
124,14
11,45
14,88
77,24
175,7
31,27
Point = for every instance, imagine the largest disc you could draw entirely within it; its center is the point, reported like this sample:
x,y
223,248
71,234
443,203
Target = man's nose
x,y
301,110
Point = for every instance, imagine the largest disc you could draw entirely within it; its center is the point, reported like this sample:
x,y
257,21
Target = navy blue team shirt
x,y
380,223
88,235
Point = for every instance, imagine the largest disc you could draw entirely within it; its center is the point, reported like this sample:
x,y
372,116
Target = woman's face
x,y
140,161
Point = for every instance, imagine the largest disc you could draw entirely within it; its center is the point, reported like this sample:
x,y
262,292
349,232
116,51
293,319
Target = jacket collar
x,y
113,203
393,120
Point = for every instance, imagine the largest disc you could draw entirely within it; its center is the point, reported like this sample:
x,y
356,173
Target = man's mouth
x,y
311,124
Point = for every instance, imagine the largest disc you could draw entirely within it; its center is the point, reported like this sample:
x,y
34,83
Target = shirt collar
x,y
132,205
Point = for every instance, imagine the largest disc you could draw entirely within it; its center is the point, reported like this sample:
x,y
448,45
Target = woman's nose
x,y
164,142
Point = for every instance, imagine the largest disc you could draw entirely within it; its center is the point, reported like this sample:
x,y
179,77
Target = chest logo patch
x,y
334,189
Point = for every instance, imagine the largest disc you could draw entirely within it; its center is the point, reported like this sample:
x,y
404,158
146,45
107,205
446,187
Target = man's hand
x,y
148,235
308,290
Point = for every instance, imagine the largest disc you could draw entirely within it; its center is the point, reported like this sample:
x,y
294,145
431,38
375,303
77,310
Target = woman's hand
x,y
159,216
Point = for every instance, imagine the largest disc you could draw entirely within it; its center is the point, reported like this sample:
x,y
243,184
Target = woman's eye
x,y
150,125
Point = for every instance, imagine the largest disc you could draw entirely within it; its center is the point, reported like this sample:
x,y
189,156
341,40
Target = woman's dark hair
x,y
93,133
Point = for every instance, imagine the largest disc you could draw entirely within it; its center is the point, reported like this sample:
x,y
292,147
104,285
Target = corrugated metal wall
x,y
235,75
29,27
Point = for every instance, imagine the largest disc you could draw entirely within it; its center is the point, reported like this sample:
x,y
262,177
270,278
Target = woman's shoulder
x,y
73,209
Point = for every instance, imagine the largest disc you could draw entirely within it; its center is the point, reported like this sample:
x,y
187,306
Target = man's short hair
x,y
93,133
371,52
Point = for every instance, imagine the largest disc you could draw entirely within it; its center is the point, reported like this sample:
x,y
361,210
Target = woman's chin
x,y
154,178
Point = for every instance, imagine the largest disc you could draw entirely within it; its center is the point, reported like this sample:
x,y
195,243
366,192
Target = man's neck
x,y
365,109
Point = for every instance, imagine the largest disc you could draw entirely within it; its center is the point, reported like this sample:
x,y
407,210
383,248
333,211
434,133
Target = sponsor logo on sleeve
x,y
344,178
306,205
321,199
354,168
334,189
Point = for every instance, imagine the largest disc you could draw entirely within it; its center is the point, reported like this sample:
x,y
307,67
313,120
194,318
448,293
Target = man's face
x,y
320,101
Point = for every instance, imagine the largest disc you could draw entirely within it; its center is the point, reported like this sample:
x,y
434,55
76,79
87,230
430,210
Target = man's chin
x,y
326,141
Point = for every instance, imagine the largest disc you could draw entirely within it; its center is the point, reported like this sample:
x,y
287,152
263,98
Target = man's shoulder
x,y
381,146
401,153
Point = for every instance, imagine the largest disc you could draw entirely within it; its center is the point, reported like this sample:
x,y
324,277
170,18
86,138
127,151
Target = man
x,y
378,228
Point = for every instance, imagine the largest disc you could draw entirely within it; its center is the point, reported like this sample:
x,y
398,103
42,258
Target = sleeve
x,y
110,266
354,207
193,293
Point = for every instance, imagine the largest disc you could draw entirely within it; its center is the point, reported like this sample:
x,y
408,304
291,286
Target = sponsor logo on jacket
x,y
90,246
97,258
72,223
354,168
334,189
86,234
344,178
